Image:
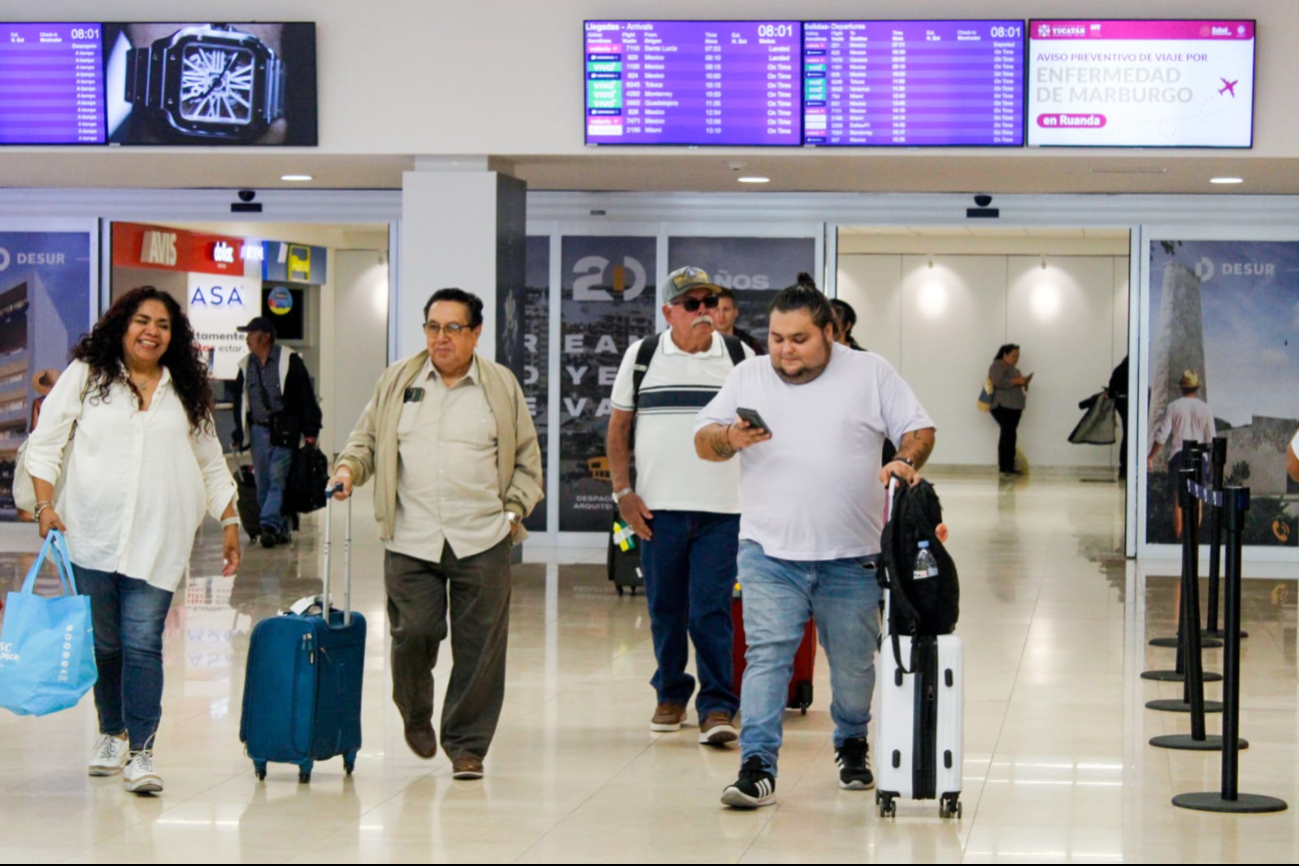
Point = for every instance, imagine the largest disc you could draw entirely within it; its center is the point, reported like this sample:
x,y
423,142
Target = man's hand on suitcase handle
x,y
340,486
632,509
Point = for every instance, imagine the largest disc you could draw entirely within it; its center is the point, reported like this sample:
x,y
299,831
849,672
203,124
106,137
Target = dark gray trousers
x,y
478,588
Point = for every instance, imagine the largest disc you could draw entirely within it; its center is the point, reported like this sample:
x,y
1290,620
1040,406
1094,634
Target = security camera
x,y
250,194
735,166
983,200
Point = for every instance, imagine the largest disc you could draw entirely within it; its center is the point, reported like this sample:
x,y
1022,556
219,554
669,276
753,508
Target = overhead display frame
x,y
693,83
158,83
913,83
1141,83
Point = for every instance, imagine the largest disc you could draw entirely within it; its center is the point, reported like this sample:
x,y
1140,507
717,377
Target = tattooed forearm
x,y
917,445
713,444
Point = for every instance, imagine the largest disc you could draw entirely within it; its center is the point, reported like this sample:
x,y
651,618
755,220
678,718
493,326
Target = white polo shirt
x,y
1185,418
812,492
669,475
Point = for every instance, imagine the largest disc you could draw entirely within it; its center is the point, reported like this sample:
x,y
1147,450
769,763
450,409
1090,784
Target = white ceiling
x,y
798,170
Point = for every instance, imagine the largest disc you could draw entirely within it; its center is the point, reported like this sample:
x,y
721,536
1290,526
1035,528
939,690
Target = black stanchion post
x,y
1229,799
1190,664
1191,456
1219,470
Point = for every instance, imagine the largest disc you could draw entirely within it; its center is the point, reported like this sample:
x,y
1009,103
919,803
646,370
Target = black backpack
x,y
930,606
645,354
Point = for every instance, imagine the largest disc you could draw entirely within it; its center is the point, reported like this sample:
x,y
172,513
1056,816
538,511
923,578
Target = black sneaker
x,y
854,775
269,536
755,787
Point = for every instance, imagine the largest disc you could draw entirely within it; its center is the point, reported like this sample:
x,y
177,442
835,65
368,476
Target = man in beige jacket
x,y
449,441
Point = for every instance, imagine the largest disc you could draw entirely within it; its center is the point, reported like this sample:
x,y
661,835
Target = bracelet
x,y
41,506
229,521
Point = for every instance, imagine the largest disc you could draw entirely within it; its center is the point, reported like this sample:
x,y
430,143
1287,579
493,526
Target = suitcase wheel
x,y
304,776
259,769
949,807
633,590
804,697
884,803
619,588
349,763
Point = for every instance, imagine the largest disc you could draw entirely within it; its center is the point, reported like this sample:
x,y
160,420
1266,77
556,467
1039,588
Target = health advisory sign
x,y
1141,83
609,301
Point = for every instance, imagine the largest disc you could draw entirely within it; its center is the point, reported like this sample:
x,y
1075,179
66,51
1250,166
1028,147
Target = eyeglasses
x,y
692,305
455,329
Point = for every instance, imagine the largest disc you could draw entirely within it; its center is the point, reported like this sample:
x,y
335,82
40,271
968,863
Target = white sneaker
x,y
139,776
110,755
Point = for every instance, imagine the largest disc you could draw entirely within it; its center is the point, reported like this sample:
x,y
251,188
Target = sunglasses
x,y
692,305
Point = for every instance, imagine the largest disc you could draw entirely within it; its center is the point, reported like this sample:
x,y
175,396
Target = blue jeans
x,y
128,617
271,469
779,595
689,570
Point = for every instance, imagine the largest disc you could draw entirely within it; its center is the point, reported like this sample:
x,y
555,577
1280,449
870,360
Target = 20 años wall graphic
x,y
609,300
1228,312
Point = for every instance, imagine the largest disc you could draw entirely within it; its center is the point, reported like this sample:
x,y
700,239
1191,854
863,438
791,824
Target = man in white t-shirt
x,y
686,511
1188,418
812,500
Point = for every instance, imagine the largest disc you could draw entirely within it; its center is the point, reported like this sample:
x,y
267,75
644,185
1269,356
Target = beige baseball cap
x,y
684,280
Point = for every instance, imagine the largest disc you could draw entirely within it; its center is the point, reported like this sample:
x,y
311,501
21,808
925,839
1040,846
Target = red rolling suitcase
x,y
800,684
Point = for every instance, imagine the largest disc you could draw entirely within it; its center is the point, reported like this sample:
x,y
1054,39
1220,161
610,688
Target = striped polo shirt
x,y
669,475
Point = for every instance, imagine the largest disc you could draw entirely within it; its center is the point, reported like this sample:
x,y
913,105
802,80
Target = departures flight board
x,y
729,83
51,84
913,83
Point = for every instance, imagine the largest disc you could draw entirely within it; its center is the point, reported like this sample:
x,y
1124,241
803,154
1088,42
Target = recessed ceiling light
x,y
1227,180
754,179
299,178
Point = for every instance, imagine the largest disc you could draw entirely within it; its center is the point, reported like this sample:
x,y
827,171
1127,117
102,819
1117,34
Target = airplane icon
x,y
1228,86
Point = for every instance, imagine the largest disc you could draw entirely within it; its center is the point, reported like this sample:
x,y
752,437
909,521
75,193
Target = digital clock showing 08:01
x,y
769,30
1007,32
84,33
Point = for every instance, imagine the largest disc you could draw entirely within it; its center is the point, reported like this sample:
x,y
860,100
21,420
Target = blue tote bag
x,y
47,645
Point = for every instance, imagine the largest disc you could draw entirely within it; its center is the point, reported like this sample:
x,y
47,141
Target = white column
x,y
459,215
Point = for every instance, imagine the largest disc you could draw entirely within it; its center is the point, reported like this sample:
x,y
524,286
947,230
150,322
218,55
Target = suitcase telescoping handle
x,y
888,507
347,556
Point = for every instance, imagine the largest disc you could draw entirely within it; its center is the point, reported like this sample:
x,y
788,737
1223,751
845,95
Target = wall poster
x,y
609,302
1226,311
44,309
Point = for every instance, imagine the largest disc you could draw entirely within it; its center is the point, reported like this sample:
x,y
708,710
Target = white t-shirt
x,y
1185,418
812,492
669,475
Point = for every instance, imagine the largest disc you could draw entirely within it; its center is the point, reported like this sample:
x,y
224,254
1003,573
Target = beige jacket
x,y
371,450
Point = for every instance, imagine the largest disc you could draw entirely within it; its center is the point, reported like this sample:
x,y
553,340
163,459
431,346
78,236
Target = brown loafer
x,y
717,729
667,718
467,767
422,740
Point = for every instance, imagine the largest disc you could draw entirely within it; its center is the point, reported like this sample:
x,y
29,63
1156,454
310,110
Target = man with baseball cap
x,y
685,510
282,410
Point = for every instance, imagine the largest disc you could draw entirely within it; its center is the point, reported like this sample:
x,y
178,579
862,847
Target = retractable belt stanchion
x,y
1193,452
1219,469
1193,682
1190,559
1191,495
1229,799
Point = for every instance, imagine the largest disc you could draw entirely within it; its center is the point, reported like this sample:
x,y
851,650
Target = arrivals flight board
x,y
730,83
913,83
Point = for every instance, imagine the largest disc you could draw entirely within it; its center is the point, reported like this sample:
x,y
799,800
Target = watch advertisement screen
x,y
210,84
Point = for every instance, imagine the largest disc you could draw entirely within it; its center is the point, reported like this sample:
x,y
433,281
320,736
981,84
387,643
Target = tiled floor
x,y
1056,763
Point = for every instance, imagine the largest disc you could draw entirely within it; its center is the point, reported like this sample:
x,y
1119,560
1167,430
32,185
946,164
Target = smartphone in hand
x,y
752,418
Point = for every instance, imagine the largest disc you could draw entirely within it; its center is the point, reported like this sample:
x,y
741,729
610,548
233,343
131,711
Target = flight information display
x,y
913,83
729,83
51,84
1146,83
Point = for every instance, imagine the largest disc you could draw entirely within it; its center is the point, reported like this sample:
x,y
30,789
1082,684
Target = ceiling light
x,y
297,178
1226,180
754,179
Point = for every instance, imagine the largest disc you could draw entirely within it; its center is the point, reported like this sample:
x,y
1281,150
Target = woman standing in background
x,y
1010,393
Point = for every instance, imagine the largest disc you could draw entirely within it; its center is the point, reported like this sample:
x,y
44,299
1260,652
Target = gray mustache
x,y
702,320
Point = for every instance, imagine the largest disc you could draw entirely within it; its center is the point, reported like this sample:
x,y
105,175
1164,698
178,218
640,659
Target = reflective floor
x,y
1057,767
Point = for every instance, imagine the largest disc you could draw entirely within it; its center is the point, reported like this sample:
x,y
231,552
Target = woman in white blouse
x,y
143,466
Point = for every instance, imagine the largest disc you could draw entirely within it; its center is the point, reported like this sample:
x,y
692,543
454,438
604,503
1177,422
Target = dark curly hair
x,y
102,350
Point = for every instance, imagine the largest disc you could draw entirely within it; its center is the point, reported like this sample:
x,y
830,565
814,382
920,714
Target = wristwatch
x,y
906,460
619,494
513,517
209,82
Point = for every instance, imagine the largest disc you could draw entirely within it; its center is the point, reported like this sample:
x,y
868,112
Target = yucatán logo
x,y
7,653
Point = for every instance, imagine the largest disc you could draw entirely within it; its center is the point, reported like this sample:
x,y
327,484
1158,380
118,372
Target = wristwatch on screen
x,y
208,82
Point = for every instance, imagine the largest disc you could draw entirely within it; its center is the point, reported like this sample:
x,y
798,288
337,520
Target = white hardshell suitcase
x,y
919,738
